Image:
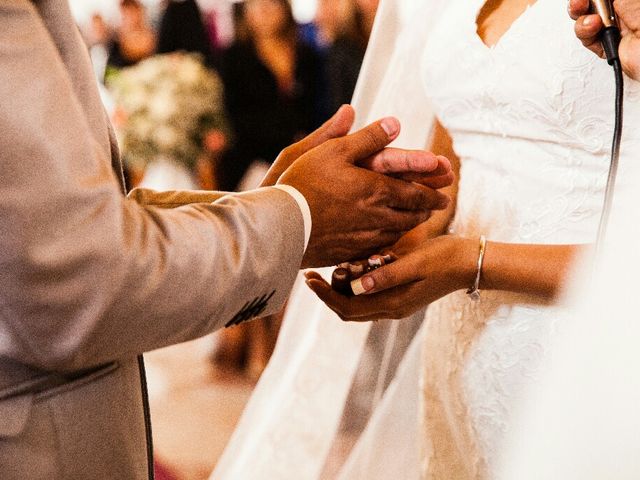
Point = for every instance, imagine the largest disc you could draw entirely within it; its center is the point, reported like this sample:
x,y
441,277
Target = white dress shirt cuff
x,y
304,209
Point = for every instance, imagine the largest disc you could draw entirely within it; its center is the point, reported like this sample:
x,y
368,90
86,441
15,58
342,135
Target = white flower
x,y
166,137
162,106
189,72
162,103
136,99
142,128
147,70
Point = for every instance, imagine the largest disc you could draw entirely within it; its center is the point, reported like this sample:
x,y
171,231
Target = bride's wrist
x,y
465,258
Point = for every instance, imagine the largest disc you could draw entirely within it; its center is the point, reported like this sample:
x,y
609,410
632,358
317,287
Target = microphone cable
x,y
611,42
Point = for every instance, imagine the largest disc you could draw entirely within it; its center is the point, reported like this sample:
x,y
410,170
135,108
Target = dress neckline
x,y
508,33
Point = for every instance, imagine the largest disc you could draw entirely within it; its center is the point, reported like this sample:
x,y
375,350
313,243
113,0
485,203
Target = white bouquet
x,y
165,107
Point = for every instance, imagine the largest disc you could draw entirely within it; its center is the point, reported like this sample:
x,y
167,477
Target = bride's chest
x,y
536,81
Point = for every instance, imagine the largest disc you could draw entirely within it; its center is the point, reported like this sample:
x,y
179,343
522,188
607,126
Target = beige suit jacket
x,y
90,279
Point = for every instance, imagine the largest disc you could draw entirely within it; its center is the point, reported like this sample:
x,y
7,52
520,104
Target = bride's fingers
x,y
394,304
395,161
435,182
347,308
419,166
311,275
335,301
403,271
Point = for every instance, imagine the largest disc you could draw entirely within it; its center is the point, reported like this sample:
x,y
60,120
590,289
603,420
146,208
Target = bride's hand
x,y
412,240
423,271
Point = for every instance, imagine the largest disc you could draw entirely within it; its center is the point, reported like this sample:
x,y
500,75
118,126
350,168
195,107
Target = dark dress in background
x,y
265,119
343,61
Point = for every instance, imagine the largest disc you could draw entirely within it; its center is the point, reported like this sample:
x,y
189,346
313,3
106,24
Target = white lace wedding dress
x,y
532,121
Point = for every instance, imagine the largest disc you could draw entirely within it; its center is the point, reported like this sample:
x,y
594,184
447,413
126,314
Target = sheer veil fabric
x,y
290,428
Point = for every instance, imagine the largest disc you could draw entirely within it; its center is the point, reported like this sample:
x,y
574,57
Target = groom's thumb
x,y
368,141
336,127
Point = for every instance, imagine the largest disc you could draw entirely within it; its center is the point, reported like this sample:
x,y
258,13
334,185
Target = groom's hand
x,y
589,25
433,172
355,211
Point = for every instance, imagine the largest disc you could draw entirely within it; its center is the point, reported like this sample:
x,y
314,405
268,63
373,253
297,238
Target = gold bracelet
x,y
474,291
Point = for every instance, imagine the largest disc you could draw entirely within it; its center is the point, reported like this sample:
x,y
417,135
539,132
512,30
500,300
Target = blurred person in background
x,y
329,16
272,84
134,40
272,87
239,25
182,29
346,25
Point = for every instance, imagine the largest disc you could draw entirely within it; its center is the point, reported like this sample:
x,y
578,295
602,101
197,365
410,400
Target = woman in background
x,y
182,28
135,40
271,87
272,90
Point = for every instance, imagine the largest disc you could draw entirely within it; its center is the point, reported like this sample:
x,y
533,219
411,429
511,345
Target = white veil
x,y
290,428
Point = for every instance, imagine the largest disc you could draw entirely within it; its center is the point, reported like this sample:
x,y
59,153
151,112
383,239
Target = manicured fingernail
x,y
362,285
391,126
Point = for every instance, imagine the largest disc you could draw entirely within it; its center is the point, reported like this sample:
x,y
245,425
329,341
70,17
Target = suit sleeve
x,y
88,276
175,198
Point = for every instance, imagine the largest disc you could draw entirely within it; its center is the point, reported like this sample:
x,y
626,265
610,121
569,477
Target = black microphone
x,y
610,35
610,38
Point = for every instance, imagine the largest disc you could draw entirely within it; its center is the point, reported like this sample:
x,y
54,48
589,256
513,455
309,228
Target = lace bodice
x,y
532,120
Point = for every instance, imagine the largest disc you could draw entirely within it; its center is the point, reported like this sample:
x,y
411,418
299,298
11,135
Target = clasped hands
x,y
425,267
365,198
362,195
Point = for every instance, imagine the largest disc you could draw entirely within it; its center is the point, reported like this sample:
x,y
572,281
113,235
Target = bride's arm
x,y
539,270
534,269
431,265
442,265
